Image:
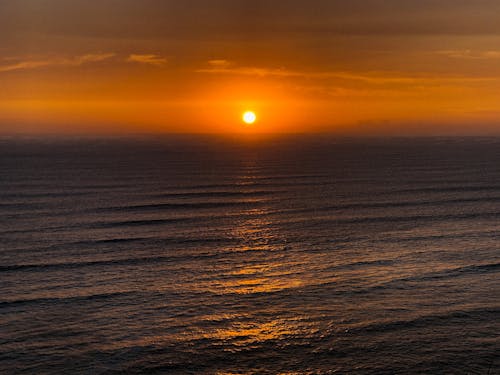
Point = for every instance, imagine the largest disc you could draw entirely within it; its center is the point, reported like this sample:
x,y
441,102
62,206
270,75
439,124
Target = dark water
x,y
294,255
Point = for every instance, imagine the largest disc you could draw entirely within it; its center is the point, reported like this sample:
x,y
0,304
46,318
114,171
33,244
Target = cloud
x,y
90,58
370,78
149,59
24,65
221,64
469,54
227,67
74,61
209,20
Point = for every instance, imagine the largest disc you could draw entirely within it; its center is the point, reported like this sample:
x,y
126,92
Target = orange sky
x,y
358,67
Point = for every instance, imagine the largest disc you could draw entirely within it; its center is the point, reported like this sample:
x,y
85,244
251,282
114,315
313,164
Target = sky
x,y
374,67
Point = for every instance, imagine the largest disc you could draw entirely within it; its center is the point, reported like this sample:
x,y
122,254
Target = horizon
x,y
244,136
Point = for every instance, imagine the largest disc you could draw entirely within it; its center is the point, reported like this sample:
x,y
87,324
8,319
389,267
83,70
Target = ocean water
x,y
280,255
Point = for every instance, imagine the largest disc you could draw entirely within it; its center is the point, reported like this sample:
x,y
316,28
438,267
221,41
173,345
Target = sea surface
x,y
250,255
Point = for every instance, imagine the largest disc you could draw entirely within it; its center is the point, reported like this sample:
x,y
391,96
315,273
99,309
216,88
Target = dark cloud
x,y
232,19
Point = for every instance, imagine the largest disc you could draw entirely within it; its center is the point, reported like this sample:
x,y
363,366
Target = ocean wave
x,y
445,189
135,223
394,219
182,206
444,319
67,299
455,272
136,261
217,194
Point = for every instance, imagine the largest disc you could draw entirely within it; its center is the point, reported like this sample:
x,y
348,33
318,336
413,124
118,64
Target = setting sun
x,y
249,117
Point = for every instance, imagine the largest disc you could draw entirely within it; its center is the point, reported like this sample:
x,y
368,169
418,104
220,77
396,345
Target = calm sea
x,y
210,255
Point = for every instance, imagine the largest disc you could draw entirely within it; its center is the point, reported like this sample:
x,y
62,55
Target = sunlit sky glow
x,y
356,67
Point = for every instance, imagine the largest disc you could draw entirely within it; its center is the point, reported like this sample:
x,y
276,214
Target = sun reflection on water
x,y
243,334
258,264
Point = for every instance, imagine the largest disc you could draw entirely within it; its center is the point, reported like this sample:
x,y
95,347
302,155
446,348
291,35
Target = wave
x,y
24,195
136,223
455,272
392,204
427,321
257,183
394,219
136,261
419,203
366,263
145,241
453,236
94,263
50,300
216,194
111,262
187,194
403,283
106,224
251,181
304,222
447,189
181,206
22,206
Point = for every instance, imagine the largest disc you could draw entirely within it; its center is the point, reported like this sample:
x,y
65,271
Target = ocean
x,y
249,255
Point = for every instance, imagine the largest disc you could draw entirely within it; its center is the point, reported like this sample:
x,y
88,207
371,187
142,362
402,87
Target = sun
x,y
249,117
